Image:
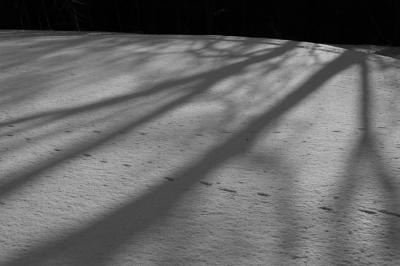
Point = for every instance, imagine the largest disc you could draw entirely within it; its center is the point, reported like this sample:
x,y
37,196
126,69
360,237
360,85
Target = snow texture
x,y
124,149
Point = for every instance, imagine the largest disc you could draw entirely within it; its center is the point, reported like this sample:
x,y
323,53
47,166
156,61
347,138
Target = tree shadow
x,y
393,52
366,166
97,241
169,86
202,82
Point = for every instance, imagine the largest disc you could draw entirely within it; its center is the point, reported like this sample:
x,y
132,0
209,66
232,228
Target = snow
x,y
125,149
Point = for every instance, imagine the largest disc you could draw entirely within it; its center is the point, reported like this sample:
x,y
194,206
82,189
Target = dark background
x,y
351,21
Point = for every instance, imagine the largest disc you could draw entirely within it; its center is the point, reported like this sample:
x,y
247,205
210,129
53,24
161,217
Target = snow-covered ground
x,y
124,149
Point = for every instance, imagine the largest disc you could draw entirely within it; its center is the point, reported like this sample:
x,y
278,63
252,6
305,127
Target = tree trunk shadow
x,y
96,242
204,82
365,155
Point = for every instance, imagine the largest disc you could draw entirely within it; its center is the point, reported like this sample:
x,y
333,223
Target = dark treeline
x,y
342,21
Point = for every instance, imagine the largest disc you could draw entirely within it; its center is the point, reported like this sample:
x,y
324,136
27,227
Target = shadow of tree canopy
x,y
96,242
366,156
204,82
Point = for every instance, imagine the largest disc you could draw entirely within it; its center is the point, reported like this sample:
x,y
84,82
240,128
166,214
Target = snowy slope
x,y
123,149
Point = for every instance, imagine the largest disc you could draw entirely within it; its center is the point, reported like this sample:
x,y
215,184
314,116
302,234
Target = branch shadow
x,y
366,156
204,82
169,85
96,242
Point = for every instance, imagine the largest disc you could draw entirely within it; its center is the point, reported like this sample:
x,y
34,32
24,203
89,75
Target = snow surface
x,y
124,149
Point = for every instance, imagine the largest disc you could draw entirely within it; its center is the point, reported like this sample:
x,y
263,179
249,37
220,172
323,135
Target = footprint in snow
x,y
263,194
227,190
169,178
206,183
390,213
127,164
367,211
325,208
295,257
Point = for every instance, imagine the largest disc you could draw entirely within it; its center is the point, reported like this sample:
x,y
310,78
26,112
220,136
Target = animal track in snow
x,y
390,213
206,183
325,208
367,211
295,257
227,190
